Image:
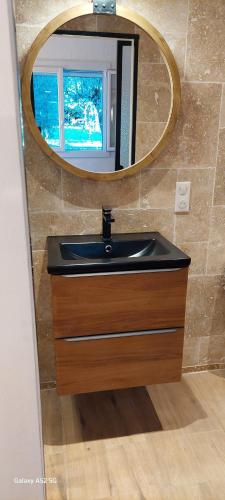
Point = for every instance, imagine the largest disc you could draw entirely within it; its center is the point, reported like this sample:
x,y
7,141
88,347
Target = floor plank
x,y
159,443
53,446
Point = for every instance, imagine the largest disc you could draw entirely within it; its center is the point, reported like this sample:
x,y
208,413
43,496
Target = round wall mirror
x,y
101,92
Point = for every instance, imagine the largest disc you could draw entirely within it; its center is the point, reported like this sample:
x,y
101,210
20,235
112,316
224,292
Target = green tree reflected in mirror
x,y
46,106
70,115
83,110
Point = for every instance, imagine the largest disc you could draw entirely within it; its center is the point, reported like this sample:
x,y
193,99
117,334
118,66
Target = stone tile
x,y
222,111
147,136
206,10
221,149
84,23
216,250
219,192
78,192
46,355
217,225
194,226
218,319
43,178
194,140
25,36
205,309
177,44
202,180
44,329
154,93
128,221
44,186
206,39
42,286
158,188
212,349
191,351
198,254
200,305
153,73
114,24
37,12
45,224
148,50
165,16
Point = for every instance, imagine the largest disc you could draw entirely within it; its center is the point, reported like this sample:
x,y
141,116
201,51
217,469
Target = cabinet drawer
x,y
88,305
118,361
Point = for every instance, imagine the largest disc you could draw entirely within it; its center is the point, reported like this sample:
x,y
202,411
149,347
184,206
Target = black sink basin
x,y
112,249
124,252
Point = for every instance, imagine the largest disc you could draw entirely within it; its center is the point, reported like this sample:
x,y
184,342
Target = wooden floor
x,y
166,442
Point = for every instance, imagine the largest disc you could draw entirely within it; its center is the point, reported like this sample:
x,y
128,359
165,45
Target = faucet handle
x,y
106,210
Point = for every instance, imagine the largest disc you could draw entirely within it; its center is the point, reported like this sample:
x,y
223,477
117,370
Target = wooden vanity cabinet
x,y
118,330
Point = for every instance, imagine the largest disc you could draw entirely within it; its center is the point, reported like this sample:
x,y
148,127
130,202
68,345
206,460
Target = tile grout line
x,y
205,82
175,215
61,191
186,43
154,122
214,179
199,350
189,166
98,210
27,25
200,275
139,190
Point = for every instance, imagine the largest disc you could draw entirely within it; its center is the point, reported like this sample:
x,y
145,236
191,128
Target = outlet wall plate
x,y
182,198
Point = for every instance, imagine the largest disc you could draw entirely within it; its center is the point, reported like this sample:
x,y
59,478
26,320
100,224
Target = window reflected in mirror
x,y
101,98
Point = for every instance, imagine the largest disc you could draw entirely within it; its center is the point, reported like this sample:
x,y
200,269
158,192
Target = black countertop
x,y
172,258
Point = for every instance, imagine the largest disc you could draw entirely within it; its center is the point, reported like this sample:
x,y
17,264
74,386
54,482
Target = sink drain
x,y
108,248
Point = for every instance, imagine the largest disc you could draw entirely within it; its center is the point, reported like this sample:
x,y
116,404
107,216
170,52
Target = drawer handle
x,y
122,272
119,335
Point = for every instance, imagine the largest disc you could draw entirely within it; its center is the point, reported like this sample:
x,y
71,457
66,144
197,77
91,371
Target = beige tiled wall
x,y
60,203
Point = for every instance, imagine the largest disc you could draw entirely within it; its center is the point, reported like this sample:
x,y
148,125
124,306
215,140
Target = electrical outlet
x,y
182,199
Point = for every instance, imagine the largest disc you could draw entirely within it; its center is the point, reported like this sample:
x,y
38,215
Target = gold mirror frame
x,y
45,33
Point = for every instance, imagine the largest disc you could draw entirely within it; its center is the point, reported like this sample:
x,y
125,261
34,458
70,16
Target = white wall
x,y
105,164
20,429
80,48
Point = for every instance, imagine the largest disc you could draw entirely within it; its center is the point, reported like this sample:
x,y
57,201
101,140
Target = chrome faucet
x,y
107,220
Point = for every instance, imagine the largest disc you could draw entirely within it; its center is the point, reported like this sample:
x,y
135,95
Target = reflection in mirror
x,y
101,97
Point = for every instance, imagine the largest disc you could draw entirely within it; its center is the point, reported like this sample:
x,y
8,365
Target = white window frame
x,y
57,71
109,85
47,66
